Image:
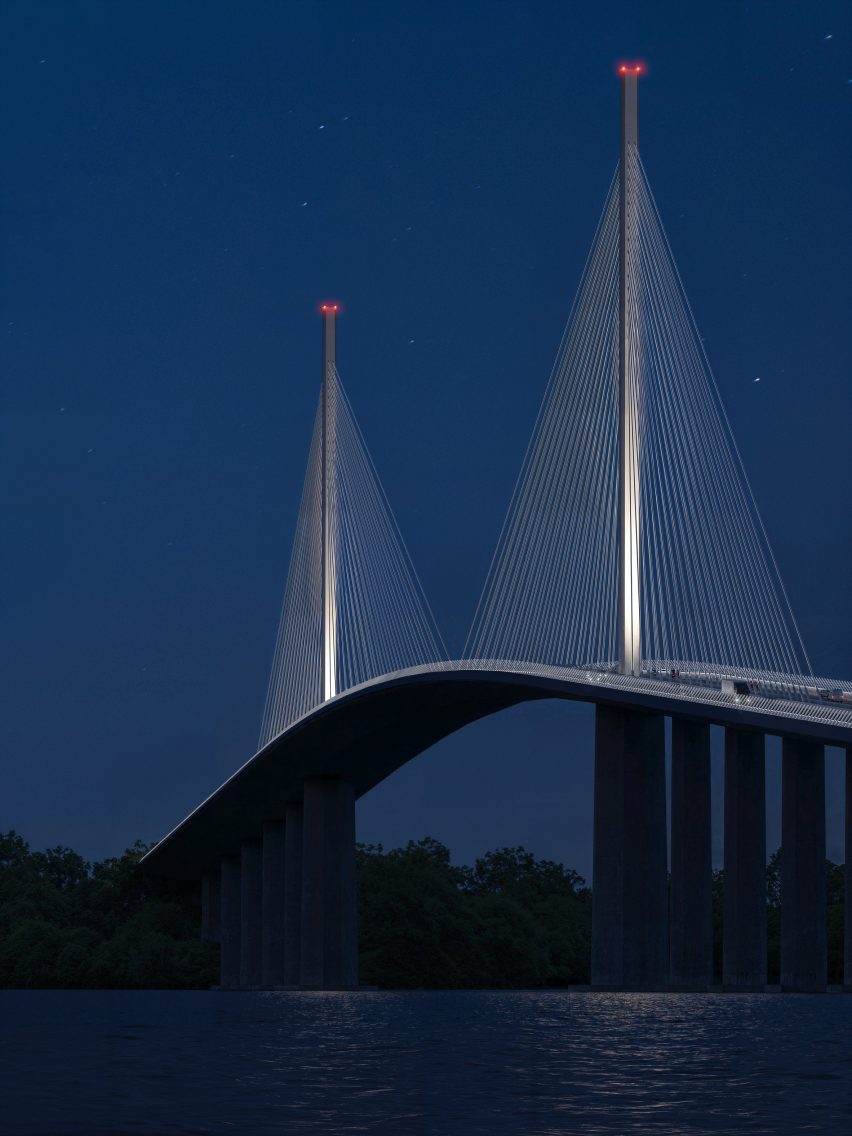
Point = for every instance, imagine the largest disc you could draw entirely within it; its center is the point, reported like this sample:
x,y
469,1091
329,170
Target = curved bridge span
x,y
368,732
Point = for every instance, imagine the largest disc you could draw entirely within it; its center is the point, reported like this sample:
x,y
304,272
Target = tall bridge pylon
x,y
629,433
633,542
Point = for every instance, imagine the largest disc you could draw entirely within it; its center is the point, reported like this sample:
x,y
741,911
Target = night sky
x,y
184,182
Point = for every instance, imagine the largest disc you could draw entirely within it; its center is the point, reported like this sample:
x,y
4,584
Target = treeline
x,y
510,920
67,923
835,890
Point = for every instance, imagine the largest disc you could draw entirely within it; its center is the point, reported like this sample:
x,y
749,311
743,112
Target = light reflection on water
x,y
490,1062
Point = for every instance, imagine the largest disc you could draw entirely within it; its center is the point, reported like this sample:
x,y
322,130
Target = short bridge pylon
x,y
354,607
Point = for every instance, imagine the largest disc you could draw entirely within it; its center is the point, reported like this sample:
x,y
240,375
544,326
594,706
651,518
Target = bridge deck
x,y
366,733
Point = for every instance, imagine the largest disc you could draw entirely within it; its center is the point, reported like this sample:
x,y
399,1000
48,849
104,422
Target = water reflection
x,y
530,1063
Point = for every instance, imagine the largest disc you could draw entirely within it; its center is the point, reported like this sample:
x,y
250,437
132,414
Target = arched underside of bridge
x,y
367,733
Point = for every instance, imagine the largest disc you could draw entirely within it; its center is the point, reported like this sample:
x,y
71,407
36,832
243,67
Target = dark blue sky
x,y
160,274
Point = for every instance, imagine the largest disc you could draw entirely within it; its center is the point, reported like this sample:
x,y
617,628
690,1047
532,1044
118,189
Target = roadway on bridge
x,y
366,733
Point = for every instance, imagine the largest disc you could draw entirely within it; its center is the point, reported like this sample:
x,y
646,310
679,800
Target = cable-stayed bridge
x,y
633,571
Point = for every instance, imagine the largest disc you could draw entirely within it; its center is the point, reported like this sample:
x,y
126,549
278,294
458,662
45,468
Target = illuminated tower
x,y
329,591
629,614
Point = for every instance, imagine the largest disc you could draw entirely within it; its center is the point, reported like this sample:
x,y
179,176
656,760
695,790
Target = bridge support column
x,y
629,903
744,944
329,955
292,893
691,910
229,912
211,888
272,920
804,959
251,885
847,938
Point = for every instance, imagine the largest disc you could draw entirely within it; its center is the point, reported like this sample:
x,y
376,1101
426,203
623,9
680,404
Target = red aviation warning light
x,y
329,307
631,68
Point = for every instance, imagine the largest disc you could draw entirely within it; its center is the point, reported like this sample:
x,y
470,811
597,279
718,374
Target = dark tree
x,y
509,921
64,922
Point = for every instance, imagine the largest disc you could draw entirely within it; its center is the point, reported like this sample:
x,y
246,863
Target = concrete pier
x,y
691,900
251,887
744,940
629,911
847,937
272,904
292,893
804,958
210,913
229,921
329,954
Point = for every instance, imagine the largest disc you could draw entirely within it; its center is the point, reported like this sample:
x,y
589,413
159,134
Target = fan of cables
x,y
382,621
710,589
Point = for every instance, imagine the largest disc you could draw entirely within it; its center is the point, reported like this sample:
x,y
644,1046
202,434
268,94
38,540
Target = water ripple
x,y
165,1063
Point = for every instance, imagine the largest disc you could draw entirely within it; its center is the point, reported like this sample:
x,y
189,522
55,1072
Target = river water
x,y
490,1062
